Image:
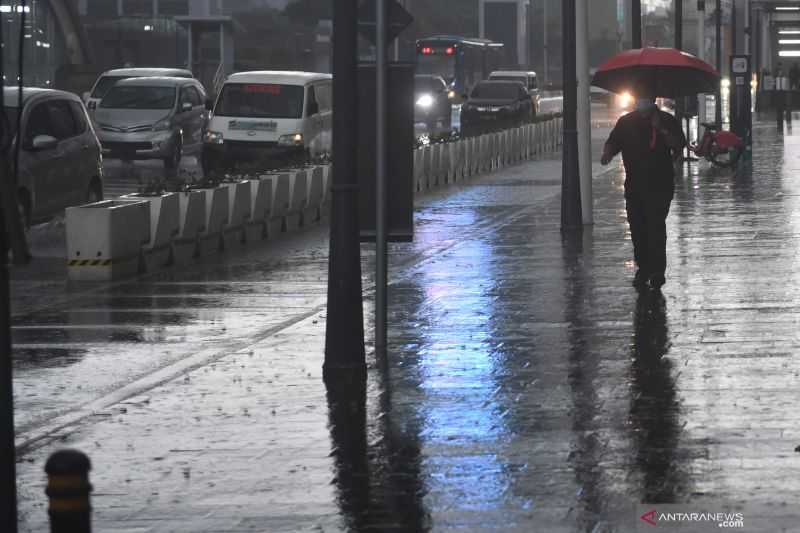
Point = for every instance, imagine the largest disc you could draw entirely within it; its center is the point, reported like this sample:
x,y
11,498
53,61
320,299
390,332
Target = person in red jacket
x,y
650,141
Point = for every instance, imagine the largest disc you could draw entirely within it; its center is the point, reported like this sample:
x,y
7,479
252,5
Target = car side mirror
x,y
209,105
86,96
43,142
186,106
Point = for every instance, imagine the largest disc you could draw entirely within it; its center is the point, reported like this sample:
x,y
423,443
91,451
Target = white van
x,y
108,78
266,116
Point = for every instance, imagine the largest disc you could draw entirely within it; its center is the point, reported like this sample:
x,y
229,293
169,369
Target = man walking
x,y
650,140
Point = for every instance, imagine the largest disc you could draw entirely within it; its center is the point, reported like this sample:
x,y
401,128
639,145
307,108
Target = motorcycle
x,y
722,148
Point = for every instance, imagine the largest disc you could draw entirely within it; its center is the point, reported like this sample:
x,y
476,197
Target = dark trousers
x,y
647,218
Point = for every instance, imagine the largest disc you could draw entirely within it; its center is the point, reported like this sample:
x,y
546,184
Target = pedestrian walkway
x,y
529,386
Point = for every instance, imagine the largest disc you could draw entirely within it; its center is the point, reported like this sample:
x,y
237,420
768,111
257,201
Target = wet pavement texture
x,y
528,386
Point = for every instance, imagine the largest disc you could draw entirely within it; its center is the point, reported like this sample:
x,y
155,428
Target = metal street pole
x,y
344,333
701,53
544,34
8,476
718,47
380,176
733,27
571,216
584,119
636,23
679,46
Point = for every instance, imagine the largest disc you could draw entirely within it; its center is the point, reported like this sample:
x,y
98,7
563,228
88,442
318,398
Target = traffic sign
x,y
399,19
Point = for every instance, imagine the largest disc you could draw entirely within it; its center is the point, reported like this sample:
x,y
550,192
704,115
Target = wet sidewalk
x,y
529,386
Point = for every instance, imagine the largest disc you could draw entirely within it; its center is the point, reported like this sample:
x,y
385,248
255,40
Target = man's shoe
x,y
639,279
656,281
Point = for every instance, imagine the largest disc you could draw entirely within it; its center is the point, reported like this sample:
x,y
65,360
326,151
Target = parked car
x,y
152,118
265,117
60,163
525,77
432,102
109,78
494,105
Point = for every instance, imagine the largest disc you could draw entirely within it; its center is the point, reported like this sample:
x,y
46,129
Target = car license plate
x,y
252,125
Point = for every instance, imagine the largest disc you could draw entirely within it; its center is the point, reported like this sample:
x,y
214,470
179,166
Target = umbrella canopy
x,y
652,72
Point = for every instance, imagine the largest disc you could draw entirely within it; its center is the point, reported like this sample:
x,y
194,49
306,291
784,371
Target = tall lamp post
x,y
718,46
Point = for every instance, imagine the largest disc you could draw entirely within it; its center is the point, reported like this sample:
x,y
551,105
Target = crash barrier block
x,y
217,208
240,204
165,226
419,170
298,199
281,193
436,166
326,200
427,164
260,209
192,217
105,239
316,195
445,164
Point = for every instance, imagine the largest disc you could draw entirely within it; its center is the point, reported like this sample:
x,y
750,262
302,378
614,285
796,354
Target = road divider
x,y
142,233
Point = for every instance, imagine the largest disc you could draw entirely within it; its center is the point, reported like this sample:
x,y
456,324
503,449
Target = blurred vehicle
x,y
60,163
152,118
107,79
266,116
494,105
461,61
526,78
432,102
601,96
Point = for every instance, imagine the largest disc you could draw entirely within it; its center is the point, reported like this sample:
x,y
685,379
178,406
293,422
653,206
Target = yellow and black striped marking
x,y
89,262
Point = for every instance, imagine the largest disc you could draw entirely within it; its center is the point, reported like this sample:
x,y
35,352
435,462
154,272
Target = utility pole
x,y
544,34
571,217
584,119
636,23
718,47
381,256
679,46
344,333
701,53
733,27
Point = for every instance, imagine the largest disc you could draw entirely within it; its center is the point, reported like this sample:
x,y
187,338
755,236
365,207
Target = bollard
x,y
68,489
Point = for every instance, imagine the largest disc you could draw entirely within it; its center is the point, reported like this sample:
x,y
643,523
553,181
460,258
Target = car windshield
x,y
424,84
518,79
11,116
139,97
500,91
105,84
260,100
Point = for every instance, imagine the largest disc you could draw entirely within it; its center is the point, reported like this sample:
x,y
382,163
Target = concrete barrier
x,y
240,204
260,209
217,207
316,195
105,239
165,225
445,164
298,200
281,193
419,170
192,216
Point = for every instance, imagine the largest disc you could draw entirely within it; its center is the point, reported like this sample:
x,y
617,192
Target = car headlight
x,y
294,139
625,99
451,94
425,100
213,137
162,125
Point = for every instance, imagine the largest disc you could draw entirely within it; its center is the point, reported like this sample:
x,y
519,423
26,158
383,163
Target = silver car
x,y
60,163
152,118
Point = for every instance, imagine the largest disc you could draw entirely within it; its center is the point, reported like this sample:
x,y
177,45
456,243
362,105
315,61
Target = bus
x,y
461,61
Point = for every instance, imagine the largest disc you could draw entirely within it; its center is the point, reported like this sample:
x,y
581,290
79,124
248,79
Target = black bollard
x,y
68,489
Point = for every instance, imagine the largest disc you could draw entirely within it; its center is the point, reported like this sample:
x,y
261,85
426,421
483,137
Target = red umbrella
x,y
651,72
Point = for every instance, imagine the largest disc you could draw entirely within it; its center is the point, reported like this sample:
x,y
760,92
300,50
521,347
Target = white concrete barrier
x,y
192,216
260,209
445,164
105,239
281,192
298,200
419,169
316,195
240,203
217,207
165,225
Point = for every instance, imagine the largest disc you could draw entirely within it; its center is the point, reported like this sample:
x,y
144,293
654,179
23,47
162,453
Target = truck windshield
x,y
259,100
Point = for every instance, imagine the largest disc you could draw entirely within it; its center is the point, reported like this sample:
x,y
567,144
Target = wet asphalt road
x,y
529,386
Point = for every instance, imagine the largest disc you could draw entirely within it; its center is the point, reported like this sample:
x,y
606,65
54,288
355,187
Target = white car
x,y
266,116
60,162
109,78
